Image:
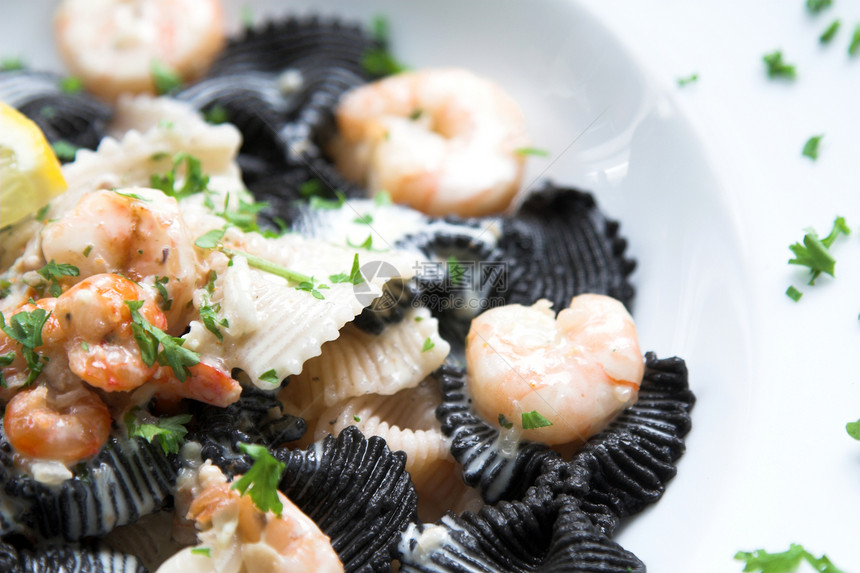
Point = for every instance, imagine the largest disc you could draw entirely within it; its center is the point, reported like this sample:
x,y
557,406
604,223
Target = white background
x,y
768,462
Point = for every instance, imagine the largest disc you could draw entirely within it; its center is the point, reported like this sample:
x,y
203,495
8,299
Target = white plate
x,y
609,131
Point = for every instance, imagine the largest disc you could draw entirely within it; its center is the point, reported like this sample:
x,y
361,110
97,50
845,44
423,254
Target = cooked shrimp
x,y
66,427
577,370
242,539
136,232
206,383
112,44
98,335
443,141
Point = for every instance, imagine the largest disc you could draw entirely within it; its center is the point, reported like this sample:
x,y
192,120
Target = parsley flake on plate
x,y
149,337
25,328
692,78
169,431
784,561
777,68
815,253
810,148
830,32
533,420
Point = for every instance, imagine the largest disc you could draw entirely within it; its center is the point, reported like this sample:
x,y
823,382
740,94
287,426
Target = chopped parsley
x,y
210,239
5,360
216,114
195,180
245,217
356,418
209,316
64,150
42,212
312,287
378,61
504,422
247,17
816,6
164,78
26,329
810,148
5,287
815,253
363,220
72,85
531,151
777,68
312,188
354,277
84,346
168,431
428,345
793,293
692,78
455,271
161,286
54,272
270,376
261,481
205,551
367,244
853,429
382,198
149,337
317,202
134,196
854,46
11,64
416,114
785,561
830,32
533,420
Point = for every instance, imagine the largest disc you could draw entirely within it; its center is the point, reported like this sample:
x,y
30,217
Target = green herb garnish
x,y
830,32
810,148
354,277
195,180
531,151
64,150
42,212
5,360
216,114
382,198
72,85
777,68
793,293
533,420
149,338
164,78
317,202
270,376
363,220
161,286
853,429
205,551
356,418
784,562
416,113
210,239
854,46
312,188
428,345
169,431
378,61
261,481
11,64
816,6
367,244
815,253
26,329
504,422
688,80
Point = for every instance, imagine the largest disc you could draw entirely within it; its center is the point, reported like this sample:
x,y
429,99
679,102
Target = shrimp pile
x,y
443,141
577,370
234,536
82,350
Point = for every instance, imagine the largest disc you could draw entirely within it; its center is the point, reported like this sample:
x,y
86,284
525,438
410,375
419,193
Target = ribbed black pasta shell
x,y
13,513
128,478
357,491
542,533
248,420
473,444
558,245
67,559
78,118
397,298
628,464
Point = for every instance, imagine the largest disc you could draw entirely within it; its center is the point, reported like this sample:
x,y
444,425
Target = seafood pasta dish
x,y
275,302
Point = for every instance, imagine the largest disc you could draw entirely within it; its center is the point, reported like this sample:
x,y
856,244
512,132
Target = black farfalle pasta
x,y
558,244
357,491
127,479
541,533
76,118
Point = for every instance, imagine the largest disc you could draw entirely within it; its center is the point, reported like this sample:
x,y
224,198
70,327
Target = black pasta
x,y
474,444
558,244
628,464
67,559
77,118
358,493
248,420
128,478
542,533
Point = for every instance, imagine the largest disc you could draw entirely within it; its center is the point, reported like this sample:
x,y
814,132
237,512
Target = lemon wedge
x,y
30,173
